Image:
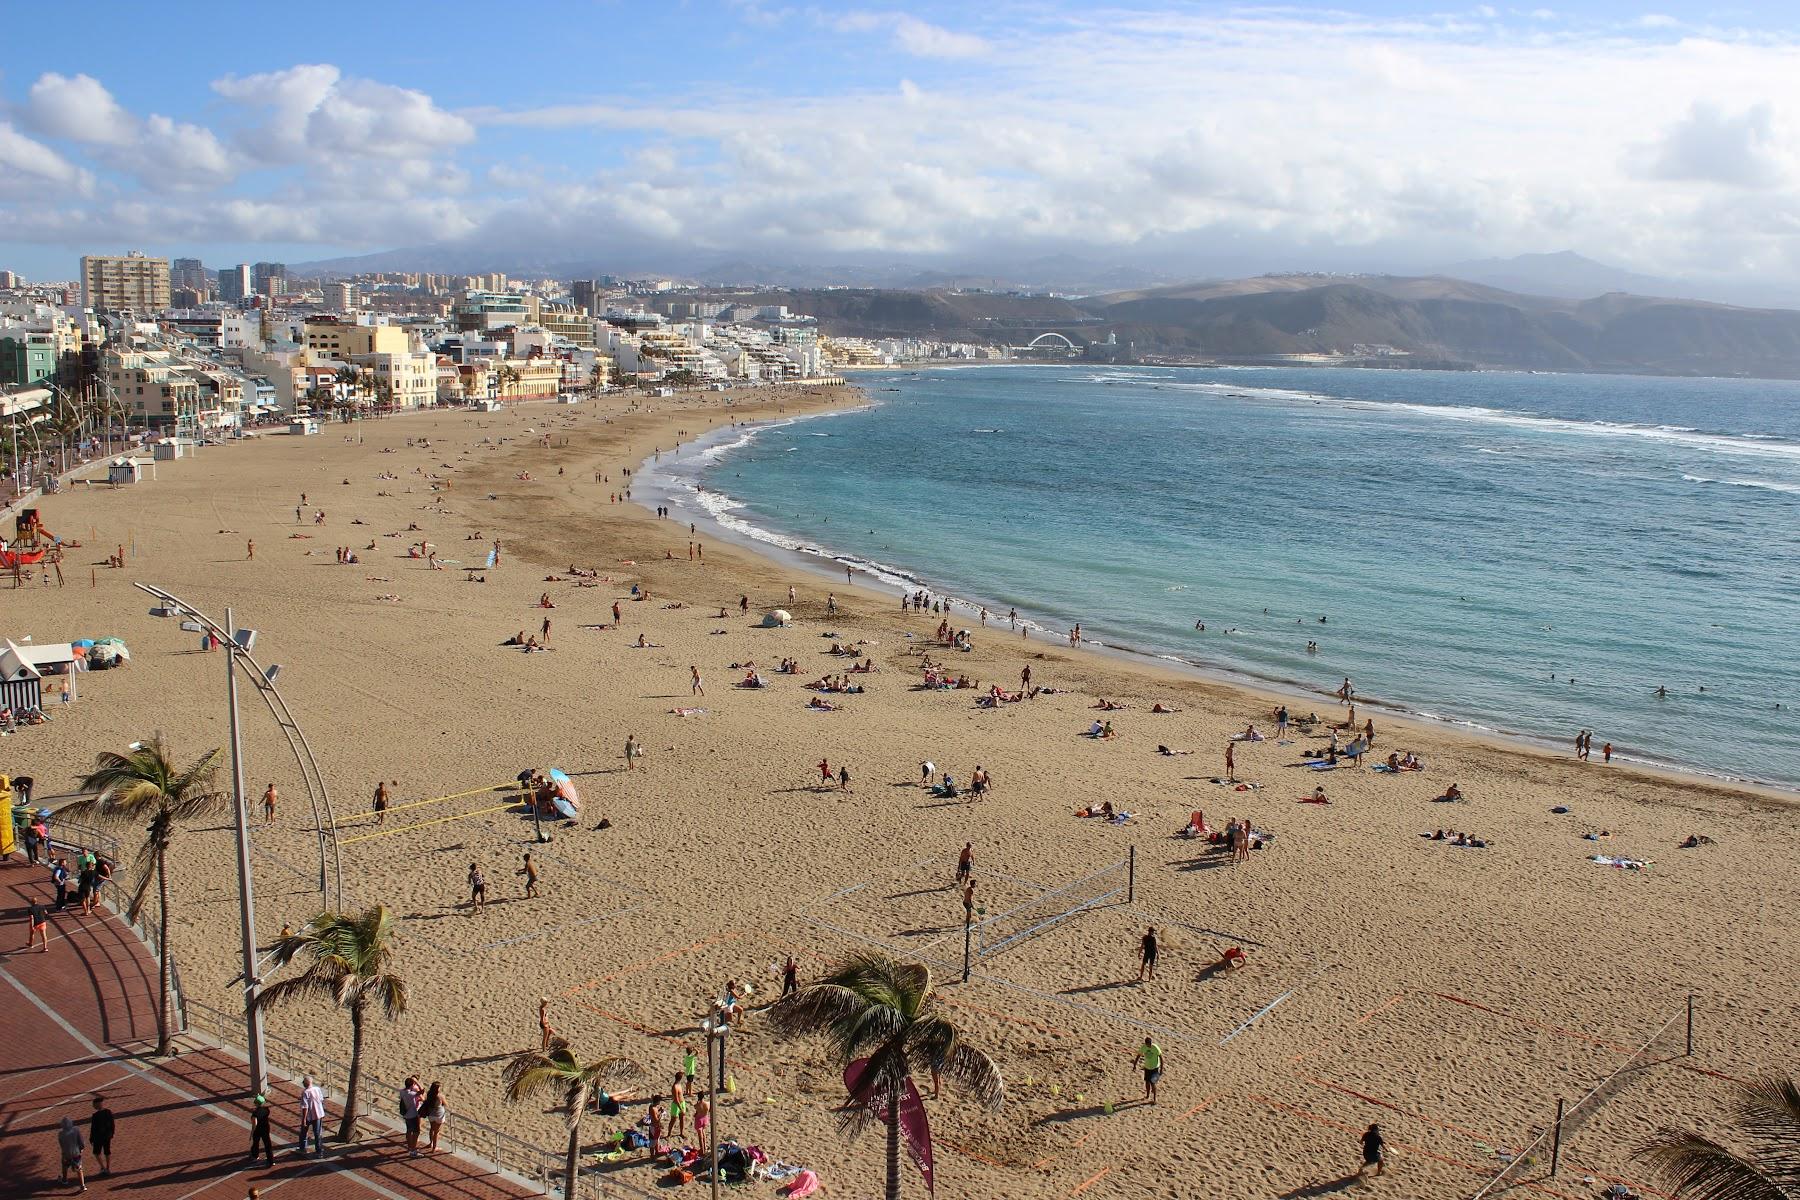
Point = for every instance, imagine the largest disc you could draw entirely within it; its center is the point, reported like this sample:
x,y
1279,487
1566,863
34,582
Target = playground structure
x,y
31,544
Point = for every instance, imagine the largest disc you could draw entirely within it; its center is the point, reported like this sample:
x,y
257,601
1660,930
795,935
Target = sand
x,y
1450,994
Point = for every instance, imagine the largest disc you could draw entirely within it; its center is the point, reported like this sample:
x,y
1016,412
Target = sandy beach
x,y
1450,993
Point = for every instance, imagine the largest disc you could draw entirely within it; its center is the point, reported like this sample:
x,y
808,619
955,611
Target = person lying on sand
x,y
644,644
1168,753
821,704
1160,707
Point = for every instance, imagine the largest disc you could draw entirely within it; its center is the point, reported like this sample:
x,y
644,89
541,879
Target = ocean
x,y
1522,554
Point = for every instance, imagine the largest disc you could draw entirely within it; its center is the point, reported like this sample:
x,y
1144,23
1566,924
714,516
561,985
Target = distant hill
x,y
1448,320
1564,274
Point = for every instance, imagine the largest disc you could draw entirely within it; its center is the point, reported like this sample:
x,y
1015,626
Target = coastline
x,y
669,483
724,853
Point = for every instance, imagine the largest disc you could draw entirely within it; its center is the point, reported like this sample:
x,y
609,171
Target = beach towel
x,y
688,712
804,1184
1314,800
1613,860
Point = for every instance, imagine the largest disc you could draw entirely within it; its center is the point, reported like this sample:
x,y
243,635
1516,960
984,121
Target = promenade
x,y
80,1021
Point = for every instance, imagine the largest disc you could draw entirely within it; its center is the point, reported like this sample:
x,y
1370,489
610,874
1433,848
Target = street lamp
x,y
238,644
238,641
715,1030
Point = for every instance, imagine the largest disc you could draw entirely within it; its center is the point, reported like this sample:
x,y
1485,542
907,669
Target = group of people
x,y
1584,747
89,874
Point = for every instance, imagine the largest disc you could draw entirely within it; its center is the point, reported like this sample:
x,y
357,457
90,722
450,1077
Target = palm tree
x,y
881,1009
532,1071
349,956
1768,1115
145,785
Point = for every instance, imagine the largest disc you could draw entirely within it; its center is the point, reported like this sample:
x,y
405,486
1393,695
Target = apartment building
x,y
131,281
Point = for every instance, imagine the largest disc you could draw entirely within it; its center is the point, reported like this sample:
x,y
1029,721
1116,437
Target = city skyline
x,y
1200,140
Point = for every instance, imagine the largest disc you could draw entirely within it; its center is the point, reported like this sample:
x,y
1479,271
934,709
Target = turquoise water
x,y
1531,554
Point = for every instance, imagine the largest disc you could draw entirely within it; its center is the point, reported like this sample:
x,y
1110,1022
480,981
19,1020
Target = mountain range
x,y
1432,319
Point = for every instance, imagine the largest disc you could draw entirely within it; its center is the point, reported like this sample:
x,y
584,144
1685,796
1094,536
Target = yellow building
x,y
346,340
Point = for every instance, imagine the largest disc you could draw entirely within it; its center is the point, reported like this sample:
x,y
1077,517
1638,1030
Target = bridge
x,y
1050,342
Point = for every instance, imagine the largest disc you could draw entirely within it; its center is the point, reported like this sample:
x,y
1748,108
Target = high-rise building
x,y
189,273
235,282
587,296
133,281
341,297
9,280
269,278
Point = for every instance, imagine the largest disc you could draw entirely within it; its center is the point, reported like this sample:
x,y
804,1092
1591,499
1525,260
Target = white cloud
x,y
313,113
1710,146
912,36
78,107
27,166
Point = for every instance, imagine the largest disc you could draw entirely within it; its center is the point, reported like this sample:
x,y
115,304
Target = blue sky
x,y
1197,138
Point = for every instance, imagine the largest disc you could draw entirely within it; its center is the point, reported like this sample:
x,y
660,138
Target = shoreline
x,y
785,549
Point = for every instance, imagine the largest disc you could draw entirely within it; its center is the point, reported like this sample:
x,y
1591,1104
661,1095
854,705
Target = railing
x,y
489,1147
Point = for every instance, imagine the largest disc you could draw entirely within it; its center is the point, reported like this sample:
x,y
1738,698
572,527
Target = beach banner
x,y
912,1119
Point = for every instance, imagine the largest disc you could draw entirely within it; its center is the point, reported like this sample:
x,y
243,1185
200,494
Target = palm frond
x,y
307,986
975,1073
1769,1111
1702,1169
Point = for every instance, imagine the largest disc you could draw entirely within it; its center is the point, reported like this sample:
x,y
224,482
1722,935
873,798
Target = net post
x,y
1131,875
1690,1025
968,933
1556,1139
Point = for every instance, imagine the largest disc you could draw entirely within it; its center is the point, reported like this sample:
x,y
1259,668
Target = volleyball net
x,y
1111,884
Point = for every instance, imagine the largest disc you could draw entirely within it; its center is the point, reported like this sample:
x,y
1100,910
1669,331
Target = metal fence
x,y
491,1148
1570,1117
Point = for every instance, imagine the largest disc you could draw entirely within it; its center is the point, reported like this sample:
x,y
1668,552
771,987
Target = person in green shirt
x,y
1150,1055
689,1061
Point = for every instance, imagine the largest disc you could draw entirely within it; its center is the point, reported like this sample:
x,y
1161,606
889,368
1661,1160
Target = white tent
x,y
776,617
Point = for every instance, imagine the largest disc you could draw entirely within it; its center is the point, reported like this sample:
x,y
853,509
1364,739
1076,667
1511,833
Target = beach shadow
x,y
1328,1187
1210,862
1100,987
924,930
926,891
475,1059
1078,1114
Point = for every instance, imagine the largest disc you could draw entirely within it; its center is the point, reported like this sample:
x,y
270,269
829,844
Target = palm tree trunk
x,y
347,1126
893,1142
574,1163
162,946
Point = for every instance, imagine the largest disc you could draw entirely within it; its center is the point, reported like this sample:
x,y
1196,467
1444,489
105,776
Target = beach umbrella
x,y
776,617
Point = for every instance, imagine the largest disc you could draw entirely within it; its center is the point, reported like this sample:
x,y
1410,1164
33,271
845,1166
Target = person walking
x,y
1230,764
965,862
530,872
1147,955
269,798
250,549
699,687
37,927
59,875
1150,1057
381,802
1374,1151
312,1115
101,1127
435,1112
259,1131
843,778
477,887
632,752
69,1142
409,1113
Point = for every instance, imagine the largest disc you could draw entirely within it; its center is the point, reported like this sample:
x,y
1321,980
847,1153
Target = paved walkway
x,y
81,1020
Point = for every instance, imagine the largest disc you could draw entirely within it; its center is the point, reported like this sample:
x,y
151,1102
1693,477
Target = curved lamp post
x,y
238,644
